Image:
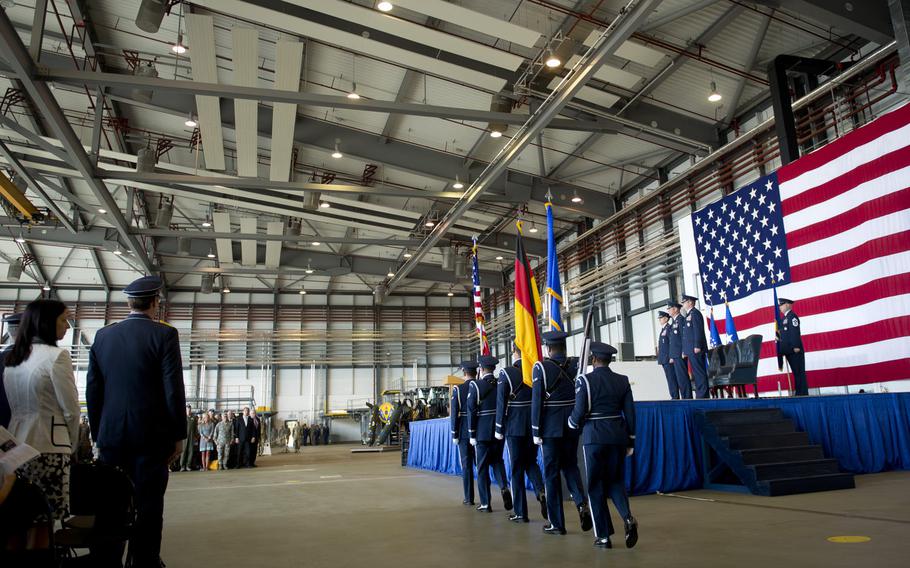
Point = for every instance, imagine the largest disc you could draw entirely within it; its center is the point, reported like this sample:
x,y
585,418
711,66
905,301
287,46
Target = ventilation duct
x,y
145,70
208,283
146,160
448,258
461,266
311,200
150,15
183,246
14,272
380,293
500,103
164,214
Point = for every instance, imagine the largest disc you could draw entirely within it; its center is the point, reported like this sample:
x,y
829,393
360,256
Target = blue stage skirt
x,y
866,433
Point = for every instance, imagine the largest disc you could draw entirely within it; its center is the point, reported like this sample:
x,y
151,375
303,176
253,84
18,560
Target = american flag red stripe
x,y
846,211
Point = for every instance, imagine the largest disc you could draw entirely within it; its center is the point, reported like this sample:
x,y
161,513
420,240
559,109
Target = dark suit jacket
x,y
245,432
5,412
134,386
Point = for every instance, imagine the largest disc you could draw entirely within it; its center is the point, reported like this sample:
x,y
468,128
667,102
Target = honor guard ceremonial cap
x,y
144,287
782,301
469,365
554,337
688,298
602,350
676,305
488,361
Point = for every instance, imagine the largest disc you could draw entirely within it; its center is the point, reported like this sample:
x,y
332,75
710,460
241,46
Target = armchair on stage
x,y
735,364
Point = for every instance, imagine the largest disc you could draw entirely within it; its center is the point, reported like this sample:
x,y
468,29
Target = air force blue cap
x,y
469,365
144,287
782,301
688,298
554,337
602,350
672,304
489,362
662,314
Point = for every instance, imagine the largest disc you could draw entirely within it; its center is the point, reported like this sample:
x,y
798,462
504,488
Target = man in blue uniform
x,y
674,351
12,328
663,353
695,345
136,402
605,410
481,421
552,398
458,418
513,422
791,346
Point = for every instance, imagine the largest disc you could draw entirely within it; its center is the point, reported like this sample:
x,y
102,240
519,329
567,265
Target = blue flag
x,y
554,288
715,336
731,327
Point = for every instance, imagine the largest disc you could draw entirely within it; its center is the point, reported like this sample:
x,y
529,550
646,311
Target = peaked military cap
x,y
688,298
144,287
662,314
672,304
13,319
488,361
469,365
782,301
554,337
602,350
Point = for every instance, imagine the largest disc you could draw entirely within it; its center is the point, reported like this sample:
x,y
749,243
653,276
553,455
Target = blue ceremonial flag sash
x,y
554,288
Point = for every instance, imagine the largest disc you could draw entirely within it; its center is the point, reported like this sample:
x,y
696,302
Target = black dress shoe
x,y
542,499
507,499
518,519
603,543
550,529
585,515
631,532
485,508
467,502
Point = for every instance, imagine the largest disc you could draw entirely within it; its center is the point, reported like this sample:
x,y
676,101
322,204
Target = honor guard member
x,y
552,399
458,418
605,410
791,346
136,403
12,322
513,422
481,419
695,345
663,353
674,351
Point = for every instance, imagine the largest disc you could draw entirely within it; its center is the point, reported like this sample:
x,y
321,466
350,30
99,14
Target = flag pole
x,y
789,382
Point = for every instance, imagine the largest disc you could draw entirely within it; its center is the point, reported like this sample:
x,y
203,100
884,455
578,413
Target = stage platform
x,y
866,433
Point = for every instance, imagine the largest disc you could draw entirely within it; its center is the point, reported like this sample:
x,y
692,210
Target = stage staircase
x,y
760,450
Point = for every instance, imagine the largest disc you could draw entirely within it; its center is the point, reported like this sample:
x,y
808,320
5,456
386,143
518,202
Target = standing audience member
x,y
305,431
206,440
134,391
186,457
234,452
257,446
325,434
84,455
315,434
41,389
12,328
298,436
245,432
224,434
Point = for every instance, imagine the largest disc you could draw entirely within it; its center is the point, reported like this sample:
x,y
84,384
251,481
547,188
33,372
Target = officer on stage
x,y
695,345
458,418
605,410
552,398
791,346
513,422
481,419
674,352
136,403
663,353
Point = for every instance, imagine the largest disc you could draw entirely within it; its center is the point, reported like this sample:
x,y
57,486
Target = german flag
x,y
527,307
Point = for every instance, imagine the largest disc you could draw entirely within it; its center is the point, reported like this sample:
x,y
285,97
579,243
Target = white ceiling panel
x,y
201,36
494,27
631,50
245,55
284,115
222,222
247,246
611,75
590,94
354,42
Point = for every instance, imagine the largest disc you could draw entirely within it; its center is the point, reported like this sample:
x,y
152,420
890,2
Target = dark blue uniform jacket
x,y
458,410
513,403
604,408
552,396
482,408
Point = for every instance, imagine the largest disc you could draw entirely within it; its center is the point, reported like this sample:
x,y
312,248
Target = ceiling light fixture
x,y
337,153
118,251
495,134
211,253
552,61
102,211
308,269
302,292
325,204
225,290
407,255
499,257
451,293
46,287
391,273
384,6
430,223
576,198
178,47
457,184
533,228
20,239
714,96
206,223
190,121
353,94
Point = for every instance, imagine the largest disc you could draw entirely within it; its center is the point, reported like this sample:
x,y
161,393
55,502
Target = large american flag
x,y
478,305
832,232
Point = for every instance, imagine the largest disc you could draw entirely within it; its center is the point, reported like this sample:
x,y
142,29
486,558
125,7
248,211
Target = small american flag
x,y
478,305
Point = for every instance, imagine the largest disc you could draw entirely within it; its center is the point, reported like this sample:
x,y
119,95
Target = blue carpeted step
x,y
756,441
783,426
743,416
803,468
781,454
808,484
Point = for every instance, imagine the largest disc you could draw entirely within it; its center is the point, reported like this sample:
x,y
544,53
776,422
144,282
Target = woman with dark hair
x,y
41,388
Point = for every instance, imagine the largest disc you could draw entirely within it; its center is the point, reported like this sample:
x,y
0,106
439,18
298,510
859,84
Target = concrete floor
x,y
327,506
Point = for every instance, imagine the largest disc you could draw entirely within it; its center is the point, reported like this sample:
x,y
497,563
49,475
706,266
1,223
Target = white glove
x,y
498,436
473,441
455,441
630,451
538,441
